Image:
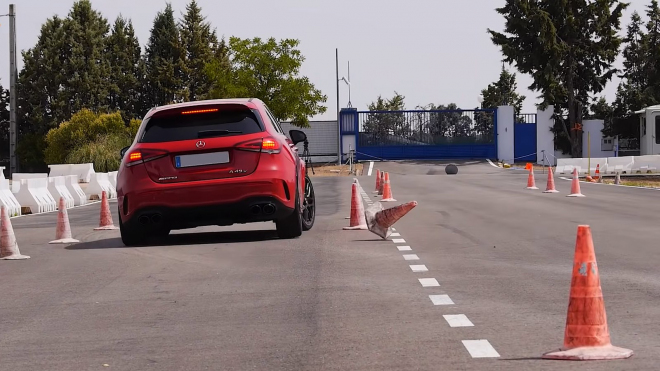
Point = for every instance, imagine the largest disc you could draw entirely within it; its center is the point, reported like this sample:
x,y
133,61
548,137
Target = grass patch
x,y
335,170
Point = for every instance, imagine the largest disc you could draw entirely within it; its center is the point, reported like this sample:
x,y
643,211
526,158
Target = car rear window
x,y
200,122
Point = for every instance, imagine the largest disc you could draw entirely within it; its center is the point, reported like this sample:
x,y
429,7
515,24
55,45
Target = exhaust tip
x,y
269,209
143,219
255,210
156,218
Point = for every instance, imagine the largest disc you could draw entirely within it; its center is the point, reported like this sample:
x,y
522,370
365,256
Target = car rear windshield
x,y
200,122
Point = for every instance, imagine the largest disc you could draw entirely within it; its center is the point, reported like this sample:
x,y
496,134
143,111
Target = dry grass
x,y
335,170
652,182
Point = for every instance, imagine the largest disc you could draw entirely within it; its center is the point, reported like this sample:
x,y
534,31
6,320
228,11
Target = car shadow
x,y
198,238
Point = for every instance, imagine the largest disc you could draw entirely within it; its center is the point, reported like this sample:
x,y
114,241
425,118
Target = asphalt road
x,y
238,298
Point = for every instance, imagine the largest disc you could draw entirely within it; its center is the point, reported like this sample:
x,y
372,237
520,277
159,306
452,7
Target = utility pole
x,y
13,76
339,157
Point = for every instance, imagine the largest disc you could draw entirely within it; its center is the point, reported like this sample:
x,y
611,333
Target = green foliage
x,y
499,93
103,152
381,125
4,122
268,70
85,127
568,47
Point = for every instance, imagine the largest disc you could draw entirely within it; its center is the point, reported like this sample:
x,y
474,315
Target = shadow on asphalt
x,y
202,238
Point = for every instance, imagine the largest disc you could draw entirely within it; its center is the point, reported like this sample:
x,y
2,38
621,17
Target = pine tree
x,y
127,70
4,123
568,47
500,93
201,45
164,62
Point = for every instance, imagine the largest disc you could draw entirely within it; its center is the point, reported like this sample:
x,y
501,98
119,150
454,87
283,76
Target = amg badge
x,y
237,171
167,178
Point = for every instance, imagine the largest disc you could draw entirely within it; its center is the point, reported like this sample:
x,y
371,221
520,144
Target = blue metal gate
x,y
418,134
524,138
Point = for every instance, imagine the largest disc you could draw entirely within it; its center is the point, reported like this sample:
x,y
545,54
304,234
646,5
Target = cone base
x,y
15,257
356,228
551,191
65,240
532,187
590,353
388,200
575,195
106,228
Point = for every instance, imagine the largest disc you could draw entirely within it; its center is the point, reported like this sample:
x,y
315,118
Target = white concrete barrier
x,y
112,176
16,179
57,188
60,170
2,172
620,164
602,161
84,172
8,199
71,183
646,164
100,182
33,193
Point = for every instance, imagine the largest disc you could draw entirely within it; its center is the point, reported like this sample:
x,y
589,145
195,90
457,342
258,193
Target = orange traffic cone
x,y
528,166
106,217
597,175
63,232
377,181
387,190
358,221
8,246
550,187
380,221
382,183
586,336
575,185
531,182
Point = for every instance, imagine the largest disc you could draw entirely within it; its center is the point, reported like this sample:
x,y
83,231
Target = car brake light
x,y
199,111
265,145
144,155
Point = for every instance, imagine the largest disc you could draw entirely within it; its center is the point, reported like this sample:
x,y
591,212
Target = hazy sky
x,y
431,51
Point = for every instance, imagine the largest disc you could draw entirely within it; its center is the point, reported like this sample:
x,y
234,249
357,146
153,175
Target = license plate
x,y
201,159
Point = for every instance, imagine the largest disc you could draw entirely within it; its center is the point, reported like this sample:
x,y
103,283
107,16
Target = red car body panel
x,y
251,175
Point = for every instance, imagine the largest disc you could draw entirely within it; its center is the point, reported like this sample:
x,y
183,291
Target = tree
x,y
127,70
499,93
164,60
4,123
446,124
383,126
201,45
268,70
568,47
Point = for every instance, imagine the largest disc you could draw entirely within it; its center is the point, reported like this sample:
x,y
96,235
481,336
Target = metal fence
x,y
322,137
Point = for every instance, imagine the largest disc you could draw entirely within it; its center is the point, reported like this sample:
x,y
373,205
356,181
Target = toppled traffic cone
x,y
575,185
387,190
63,232
8,245
377,181
382,183
586,336
531,182
358,221
380,221
105,223
550,187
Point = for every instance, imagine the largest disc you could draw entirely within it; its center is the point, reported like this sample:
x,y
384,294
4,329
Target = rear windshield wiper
x,y
216,133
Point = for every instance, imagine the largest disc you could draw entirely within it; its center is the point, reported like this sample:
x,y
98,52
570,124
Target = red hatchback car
x,y
213,162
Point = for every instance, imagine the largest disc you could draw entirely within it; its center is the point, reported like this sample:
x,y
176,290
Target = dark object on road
x,y
451,169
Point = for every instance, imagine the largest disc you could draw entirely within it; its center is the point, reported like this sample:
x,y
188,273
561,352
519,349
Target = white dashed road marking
x,y
404,248
419,268
441,300
399,240
396,234
458,320
480,349
371,168
429,282
411,257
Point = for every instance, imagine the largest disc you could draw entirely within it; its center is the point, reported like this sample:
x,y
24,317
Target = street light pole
x,y
13,74
338,112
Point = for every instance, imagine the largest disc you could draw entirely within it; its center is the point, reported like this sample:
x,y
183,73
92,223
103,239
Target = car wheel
x,y
291,226
129,236
309,206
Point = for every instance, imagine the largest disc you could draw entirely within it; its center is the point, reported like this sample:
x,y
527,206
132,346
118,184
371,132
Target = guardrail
x,y
610,165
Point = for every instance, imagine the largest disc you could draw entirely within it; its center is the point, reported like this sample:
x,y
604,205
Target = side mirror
x,y
123,151
297,136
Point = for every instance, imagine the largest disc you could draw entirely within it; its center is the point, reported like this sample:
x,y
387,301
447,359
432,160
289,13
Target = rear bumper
x,y
254,209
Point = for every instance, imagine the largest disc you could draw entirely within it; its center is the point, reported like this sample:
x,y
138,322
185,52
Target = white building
x,y
649,126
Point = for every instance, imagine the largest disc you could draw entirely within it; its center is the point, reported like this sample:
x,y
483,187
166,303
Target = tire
x,y
309,212
291,226
130,237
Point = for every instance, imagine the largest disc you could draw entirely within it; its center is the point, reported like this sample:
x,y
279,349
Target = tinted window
x,y
169,127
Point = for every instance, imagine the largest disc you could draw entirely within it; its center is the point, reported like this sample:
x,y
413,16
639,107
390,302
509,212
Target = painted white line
x,y
441,300
480,349
399,240
492,164
396,234
371,168
419,268
404,248
429,282
411,257
458,320
393,229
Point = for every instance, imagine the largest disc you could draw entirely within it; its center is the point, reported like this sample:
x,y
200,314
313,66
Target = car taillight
x,y
144,155
265,145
